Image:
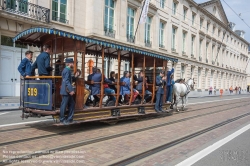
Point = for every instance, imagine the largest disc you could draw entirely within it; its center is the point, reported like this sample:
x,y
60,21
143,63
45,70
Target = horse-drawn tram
x,y
40,95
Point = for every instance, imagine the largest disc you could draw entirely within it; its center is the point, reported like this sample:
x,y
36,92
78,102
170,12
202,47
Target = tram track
x,y
145,118
105,138
148,128
173,143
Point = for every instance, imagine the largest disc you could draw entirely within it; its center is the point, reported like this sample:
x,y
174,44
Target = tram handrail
x,y
31,77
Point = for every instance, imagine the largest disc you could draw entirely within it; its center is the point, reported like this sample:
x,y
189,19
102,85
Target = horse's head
x,y
191,83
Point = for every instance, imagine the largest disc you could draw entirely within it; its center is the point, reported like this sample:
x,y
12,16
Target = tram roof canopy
x,y
32,37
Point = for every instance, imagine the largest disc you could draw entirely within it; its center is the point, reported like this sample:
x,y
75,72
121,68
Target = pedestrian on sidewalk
x,y
236,90
215,90
239,90
210,90
231,89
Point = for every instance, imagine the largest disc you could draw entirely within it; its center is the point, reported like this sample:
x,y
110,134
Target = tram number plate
x,y
32,91
38,94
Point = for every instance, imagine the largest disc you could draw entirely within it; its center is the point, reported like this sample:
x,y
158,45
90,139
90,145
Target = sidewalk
x,y
195,94
9,103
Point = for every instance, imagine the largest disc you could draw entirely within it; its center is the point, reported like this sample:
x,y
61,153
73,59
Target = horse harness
x,y
188,89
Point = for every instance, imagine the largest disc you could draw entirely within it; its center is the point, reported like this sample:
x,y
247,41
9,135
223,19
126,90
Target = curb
x,y
9,109
10,105
216,96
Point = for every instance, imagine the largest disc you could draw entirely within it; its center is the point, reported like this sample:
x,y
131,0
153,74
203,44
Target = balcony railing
x,y
148,43
109,32
62,20
130,38
26,9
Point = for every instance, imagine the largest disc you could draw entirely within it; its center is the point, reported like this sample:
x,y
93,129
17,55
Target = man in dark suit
x,y
67,93
160,82
43,62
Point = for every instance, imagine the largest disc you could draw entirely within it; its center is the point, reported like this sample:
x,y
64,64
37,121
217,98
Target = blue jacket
x,y
168,77
126,88
96,88
66,81
25,67
160,83
43,64
140,83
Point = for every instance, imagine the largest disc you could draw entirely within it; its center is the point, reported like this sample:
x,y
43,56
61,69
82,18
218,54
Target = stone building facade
x,y
199,35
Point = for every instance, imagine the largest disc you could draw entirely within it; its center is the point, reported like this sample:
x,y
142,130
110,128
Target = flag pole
x,y
139,18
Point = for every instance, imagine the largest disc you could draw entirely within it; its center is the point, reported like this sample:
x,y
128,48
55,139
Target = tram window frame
x,y
106,61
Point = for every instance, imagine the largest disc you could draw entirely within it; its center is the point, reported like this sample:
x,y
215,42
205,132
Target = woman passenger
x,y
112,78
125,89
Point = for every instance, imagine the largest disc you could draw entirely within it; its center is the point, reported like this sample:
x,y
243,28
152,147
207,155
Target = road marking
x,y
217,100
193,159
13,124
4,113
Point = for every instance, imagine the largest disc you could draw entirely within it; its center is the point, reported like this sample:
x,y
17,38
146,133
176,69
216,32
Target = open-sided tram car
x,y
36,98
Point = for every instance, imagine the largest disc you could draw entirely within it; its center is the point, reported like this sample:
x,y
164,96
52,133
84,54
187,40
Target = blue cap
x,y
69,60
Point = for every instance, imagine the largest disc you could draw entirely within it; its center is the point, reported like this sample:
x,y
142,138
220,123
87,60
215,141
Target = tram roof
x,y
31,37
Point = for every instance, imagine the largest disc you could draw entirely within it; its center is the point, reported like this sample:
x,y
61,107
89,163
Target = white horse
x,y
181,90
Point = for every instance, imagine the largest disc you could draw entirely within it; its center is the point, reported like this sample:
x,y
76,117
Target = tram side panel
x,y
37,94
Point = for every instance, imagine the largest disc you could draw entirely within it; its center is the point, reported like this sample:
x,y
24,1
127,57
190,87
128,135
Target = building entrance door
x,y
10,58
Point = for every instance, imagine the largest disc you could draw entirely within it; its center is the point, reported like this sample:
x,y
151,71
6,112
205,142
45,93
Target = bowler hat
x,y
69,60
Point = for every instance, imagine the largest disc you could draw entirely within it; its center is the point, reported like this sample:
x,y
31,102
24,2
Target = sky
x,y
240,7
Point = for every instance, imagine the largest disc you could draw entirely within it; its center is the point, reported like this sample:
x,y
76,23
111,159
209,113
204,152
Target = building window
x,y
182,71
184,13
161,34
174,39
199,77
59,8
207,44
7,41
206,71
201,23
208,27
213,30
126,66
192,72
219,33
147,30
130,24
212,54
106,67
192,45
162,3
109,15
184,34
193,18
174,8
200,48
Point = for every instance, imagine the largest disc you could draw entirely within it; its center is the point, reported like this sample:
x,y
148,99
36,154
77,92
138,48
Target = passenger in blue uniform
x,y
96,87
43,62
139,86
160,82
67,93
25,67
168,74
125,89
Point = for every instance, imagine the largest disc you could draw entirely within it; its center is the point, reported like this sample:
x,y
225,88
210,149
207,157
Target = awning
x,y
23,37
